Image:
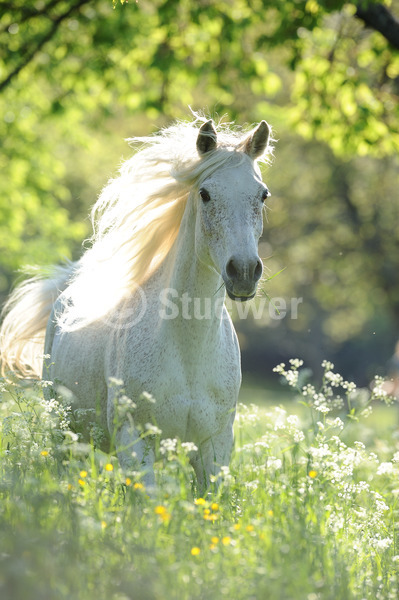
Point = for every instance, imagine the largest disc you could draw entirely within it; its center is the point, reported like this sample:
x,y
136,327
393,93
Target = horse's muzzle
x,y
241,278
239,298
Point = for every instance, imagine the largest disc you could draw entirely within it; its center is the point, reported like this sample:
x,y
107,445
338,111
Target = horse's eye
x,y
265,194
205,197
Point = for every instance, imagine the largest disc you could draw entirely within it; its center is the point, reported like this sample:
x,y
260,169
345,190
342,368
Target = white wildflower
x,y
167,446
262,444
362,486
367,412
189,447
336,423
45,384
115,381
147,397
385,468
308,390
224,474
337,403
298,436
247,414
320,452
379,391
327,365
294,430
274,463
153,429
291,377
280,418
320,403
296,363
252,485
383,544
334,379
349,386
381,506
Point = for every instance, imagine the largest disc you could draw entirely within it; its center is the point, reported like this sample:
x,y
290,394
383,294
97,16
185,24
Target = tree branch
x,y
26,13
29,56
378,17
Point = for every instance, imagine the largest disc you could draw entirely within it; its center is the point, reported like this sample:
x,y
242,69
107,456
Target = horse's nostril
x,y
258,270
231,269
237,270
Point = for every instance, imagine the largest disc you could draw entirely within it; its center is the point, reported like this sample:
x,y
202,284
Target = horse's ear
x,y
206,140
256,143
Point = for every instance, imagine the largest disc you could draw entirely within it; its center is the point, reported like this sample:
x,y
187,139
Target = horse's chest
x,y
195,412
195,390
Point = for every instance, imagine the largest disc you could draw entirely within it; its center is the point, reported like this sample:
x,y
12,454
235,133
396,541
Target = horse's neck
x,y
185,274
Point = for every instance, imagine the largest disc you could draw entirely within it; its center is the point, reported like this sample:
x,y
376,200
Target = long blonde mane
x,y
137,216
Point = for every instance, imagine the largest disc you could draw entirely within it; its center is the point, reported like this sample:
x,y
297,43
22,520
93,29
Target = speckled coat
x,y
188,361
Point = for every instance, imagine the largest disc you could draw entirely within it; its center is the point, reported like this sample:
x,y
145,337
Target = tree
x,y
76,76
346,77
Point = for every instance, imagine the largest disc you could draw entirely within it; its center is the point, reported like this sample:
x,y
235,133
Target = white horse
x,y
145,304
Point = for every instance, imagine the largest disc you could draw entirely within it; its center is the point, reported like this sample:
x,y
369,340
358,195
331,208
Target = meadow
x,y
307,509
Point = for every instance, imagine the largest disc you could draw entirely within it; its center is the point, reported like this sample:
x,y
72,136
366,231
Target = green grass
x,y
306,511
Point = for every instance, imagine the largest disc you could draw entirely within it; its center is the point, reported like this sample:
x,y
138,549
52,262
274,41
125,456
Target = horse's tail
x,y
25,317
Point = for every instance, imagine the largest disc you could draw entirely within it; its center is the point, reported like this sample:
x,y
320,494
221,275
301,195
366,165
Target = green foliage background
x,y
77,77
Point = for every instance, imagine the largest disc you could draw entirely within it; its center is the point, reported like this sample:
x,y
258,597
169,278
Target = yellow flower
x,y
109,467
166,517
70,486
163,513
139,486
103,524
270,513
44,453
195,551
208,516
312,474
237,526
128,481
250,528
215,506
214,539
200,501
226,540
160,510
83,474
81,482
213,517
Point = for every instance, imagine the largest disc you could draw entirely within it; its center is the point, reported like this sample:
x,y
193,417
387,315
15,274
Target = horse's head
x,y
230,204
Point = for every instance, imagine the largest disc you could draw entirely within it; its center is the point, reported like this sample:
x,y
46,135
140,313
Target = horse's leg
x,y
211,456
49,391
135,453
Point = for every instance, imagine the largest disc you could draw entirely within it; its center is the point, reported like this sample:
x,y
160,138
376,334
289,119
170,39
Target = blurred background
x,y
78,77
